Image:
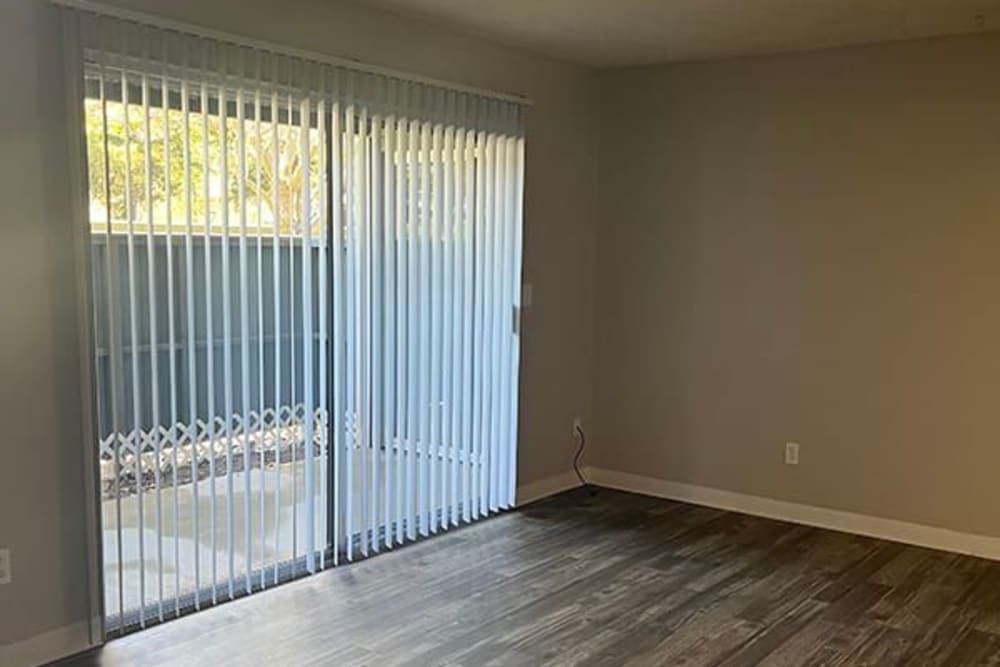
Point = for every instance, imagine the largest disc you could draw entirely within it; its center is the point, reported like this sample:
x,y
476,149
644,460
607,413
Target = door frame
x,y
79,219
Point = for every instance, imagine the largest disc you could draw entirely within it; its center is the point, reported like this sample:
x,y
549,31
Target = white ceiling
x,y
612,33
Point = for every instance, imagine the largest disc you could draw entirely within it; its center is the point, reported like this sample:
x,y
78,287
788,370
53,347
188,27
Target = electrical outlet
x,y
792,453
5,575
577,425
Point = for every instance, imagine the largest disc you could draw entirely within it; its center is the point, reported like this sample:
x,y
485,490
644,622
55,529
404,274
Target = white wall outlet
x,y
577,425
792,453
5,575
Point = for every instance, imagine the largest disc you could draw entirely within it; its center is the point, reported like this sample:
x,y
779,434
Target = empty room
x,y
464,333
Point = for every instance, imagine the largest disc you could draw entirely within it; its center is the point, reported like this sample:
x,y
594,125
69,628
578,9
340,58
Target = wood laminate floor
x,y
609,579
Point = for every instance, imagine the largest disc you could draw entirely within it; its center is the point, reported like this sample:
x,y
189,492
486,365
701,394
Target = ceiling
x,y
614,33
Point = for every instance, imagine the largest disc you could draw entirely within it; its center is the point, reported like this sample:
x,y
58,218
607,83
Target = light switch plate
x,y
5,566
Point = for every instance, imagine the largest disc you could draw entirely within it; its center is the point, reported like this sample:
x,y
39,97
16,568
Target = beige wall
x,y
791,248
807,247
41,473
41,516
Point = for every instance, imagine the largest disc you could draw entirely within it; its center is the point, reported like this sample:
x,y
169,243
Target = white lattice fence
x,y
204,449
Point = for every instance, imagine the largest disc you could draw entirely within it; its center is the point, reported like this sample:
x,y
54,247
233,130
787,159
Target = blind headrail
x,y
263,45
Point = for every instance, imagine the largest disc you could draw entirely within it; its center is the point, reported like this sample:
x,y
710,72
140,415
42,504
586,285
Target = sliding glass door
x,y
211,352
305,306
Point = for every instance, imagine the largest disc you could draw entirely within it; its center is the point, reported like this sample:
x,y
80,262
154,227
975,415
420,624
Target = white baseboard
x,y
932,537
529,493
46,647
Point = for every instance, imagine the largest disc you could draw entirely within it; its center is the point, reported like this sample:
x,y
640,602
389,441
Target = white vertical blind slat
x,y
133,341
323,316
516,263
390,434
171,324
294,336
403,488
500,322
475,352
192,434
244,330
493,201
209,332
450,358
466,214
115,358
276,292
307,333
424,313
339,363
364,279
227,333
434,315
506,333
484,199
150,253
376,301
413,477
260,375
513,259
353,319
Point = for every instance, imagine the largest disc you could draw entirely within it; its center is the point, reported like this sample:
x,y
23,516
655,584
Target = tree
x,y
123,183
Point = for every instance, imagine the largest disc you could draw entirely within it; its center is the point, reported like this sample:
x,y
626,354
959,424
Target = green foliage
x,y
145,182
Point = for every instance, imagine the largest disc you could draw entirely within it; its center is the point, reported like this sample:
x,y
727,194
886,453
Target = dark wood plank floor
x,y
611,579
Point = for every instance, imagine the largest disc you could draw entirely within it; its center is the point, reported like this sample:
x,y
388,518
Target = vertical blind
x,y
306,286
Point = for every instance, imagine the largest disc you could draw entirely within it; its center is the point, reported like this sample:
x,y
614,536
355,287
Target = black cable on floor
x,y
579,453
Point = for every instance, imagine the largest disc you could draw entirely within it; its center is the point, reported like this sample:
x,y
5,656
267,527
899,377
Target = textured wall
x,y
804,248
